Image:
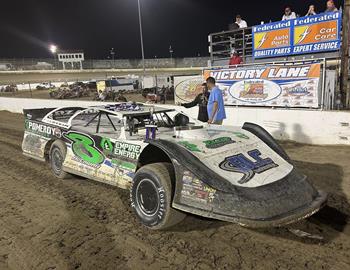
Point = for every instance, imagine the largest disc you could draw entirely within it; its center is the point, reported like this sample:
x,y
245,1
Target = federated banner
x,y
187,88
313,34
270,85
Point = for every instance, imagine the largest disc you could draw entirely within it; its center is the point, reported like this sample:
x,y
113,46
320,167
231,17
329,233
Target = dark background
x,y
27,27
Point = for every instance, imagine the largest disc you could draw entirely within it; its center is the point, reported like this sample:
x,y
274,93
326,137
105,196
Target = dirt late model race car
x,y
173,164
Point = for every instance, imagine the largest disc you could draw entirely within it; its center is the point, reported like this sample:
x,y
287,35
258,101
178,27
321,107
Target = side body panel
x,y
103,159
36,137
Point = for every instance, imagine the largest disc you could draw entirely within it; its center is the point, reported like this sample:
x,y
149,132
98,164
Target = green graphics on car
x,y
84,147
241,135
219,142
107,146
124,164
190,146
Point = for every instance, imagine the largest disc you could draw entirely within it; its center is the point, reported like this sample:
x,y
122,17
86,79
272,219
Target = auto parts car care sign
x,y
312,34
270,85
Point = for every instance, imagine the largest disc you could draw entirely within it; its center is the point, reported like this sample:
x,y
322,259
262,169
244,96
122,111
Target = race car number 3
x,y
84,147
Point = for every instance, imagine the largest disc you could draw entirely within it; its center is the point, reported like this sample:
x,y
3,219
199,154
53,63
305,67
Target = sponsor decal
x,y
107,146
255,91
42,130
219,142
85,150
127,150
297,90
196,190
241,135
187,88
268,85
299,36
124,164
242,164
190,146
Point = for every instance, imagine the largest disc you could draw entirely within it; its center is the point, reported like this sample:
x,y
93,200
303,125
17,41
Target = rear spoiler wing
x,y
36,114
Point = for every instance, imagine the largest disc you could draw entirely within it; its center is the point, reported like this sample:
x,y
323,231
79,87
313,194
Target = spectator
x,y
102,95
216,106
121,98
235,59
233,26
202,102
288,14
163,95
311,11
241,23
331,6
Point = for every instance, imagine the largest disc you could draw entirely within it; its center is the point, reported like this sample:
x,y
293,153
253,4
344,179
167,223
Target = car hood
x,y
235,154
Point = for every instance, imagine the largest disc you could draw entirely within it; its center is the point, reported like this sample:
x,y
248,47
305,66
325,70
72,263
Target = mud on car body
x,y
173,164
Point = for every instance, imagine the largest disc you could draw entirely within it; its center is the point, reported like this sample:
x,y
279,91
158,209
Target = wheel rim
x,y
147,197
56,160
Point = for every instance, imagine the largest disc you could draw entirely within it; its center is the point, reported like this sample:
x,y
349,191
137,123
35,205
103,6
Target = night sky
x,y
27,27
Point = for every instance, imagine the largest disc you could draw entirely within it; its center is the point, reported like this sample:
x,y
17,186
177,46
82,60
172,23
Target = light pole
x,y
113,55
171,51
141,37
53,50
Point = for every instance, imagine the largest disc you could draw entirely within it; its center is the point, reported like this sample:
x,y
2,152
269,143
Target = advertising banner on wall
x,y
187,88
312,34
270,85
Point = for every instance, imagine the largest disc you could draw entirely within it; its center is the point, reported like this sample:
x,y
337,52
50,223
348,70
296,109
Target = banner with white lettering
x,y
312,34
270,85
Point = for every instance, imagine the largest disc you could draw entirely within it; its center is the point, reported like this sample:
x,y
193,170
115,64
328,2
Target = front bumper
x,y
283,202
281,220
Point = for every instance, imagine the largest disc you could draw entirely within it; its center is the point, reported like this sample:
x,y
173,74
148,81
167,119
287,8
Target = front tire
x,y
57,156
151,196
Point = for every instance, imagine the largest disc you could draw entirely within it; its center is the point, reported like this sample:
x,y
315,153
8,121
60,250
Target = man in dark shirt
x,y
202,101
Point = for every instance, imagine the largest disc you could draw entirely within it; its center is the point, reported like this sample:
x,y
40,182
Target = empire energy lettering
x,y
127,150
268,73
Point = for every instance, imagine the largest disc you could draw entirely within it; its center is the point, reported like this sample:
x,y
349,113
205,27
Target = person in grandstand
x,y
312,11
288,14
201,101
216,106
235,59
331,6
241,23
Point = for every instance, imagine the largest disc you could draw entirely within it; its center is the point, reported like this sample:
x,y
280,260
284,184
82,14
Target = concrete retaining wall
x,y
312,127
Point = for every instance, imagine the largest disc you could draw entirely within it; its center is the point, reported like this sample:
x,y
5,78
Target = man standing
x,y
241,23
216,106
288,14
202,102
331,6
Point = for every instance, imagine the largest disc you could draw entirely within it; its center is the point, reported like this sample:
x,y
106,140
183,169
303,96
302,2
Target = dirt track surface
x,y
46,223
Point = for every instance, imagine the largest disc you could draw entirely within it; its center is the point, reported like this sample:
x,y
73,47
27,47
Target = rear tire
x,y
152,194
58,152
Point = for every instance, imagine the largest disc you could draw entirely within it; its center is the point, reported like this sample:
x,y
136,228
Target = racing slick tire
x,y
151,196
58,151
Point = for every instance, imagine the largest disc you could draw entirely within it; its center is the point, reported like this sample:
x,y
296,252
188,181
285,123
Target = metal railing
x,y
222,43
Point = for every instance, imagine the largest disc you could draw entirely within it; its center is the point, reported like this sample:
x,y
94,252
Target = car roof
x,y
138,109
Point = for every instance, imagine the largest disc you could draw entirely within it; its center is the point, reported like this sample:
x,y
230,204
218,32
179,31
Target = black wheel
x,y
151,196
57,155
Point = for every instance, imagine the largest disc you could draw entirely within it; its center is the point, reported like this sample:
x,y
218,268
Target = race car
x,y
173,164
